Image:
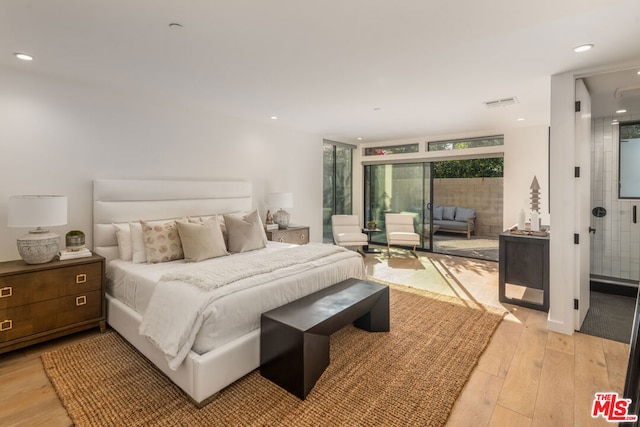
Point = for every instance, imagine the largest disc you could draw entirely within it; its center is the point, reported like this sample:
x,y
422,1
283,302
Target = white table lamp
x,y
281,201
39,246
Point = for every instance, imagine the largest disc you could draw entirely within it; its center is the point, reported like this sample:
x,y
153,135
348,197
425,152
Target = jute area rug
x,y
409,376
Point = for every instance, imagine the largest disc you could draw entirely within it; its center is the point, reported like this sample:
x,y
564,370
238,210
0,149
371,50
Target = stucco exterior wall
x,y
483,194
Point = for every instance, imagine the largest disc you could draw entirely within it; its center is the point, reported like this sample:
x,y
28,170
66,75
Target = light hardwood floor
x,y
528,376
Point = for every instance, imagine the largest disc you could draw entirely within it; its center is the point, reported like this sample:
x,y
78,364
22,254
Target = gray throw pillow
x,y
245,233
449,213
437,212
462,214
201,240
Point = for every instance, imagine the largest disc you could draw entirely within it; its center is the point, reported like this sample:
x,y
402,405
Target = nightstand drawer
x,y
297,235
20,289
17,322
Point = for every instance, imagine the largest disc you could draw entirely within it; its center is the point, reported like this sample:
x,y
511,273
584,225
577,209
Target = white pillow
x,y
202,240
245,233
138,253
123,236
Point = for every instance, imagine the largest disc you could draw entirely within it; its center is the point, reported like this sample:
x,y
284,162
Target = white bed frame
x,y
123,200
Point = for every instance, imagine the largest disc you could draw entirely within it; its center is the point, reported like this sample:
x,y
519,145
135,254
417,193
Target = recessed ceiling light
x,y
614,122
23,56
621,111
638,72
583,48
521,119
274,117
359,138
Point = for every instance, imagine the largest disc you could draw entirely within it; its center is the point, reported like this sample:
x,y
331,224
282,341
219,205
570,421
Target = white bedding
x,y
235,313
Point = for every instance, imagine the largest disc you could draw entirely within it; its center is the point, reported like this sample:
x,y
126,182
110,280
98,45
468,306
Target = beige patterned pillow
x,y
245,233
201,240
161,241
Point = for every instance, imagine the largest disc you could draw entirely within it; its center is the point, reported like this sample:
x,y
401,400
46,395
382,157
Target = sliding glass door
x,y
399,188
337,184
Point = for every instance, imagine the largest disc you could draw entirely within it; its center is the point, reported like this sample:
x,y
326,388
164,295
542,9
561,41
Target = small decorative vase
x,y
75,240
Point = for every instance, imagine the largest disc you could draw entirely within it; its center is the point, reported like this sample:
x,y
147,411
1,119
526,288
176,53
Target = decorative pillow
x,y
123,236
245,233
138,253
437,212
449,213
161,241
202,240
462,214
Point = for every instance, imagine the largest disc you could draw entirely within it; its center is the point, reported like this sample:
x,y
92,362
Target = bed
x,y
219,353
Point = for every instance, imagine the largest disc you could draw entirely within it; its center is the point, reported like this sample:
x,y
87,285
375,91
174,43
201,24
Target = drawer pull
x,y
5,325
280,239
6,292
302,237
82,300
81,278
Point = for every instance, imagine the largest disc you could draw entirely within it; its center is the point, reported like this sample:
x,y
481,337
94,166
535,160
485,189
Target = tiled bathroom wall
x,y
615,246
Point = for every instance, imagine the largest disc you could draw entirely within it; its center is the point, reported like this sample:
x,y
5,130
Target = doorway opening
x,y
615,241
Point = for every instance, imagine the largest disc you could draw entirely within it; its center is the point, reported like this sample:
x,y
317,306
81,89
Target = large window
x,y
459,144
629,185
391,149
337,184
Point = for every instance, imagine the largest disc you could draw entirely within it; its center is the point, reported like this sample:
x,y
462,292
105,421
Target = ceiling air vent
x,y
625,92
501,102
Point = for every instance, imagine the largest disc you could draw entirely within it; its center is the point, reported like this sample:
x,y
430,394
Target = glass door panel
x,y
336,187
427,235
399,188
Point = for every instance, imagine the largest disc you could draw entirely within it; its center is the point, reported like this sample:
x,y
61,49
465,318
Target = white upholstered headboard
x,y
124,200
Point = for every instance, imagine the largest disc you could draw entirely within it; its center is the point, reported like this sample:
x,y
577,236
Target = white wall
x,y
562,262
525,156
57,136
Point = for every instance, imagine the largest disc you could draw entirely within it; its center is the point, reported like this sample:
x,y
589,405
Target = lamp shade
x,y
37,211
281,200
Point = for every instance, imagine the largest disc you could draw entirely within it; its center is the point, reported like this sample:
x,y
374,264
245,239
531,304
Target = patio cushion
x,y
462,214
437,212
449,213
451,225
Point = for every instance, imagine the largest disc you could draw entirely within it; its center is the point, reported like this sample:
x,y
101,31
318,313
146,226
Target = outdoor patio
x,y
477,247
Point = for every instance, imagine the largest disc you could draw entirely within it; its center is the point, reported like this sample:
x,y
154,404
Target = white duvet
x,y
179,317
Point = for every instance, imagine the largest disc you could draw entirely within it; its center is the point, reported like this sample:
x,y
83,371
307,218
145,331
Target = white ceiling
x,y
342,69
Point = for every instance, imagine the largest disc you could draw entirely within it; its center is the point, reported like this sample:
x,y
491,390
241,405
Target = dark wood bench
x,y
294,338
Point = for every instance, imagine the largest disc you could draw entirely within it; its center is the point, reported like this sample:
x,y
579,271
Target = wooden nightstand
x,y
45,301
297,234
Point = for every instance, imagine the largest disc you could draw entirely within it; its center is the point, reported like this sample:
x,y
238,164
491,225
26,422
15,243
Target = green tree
x,y
472,168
